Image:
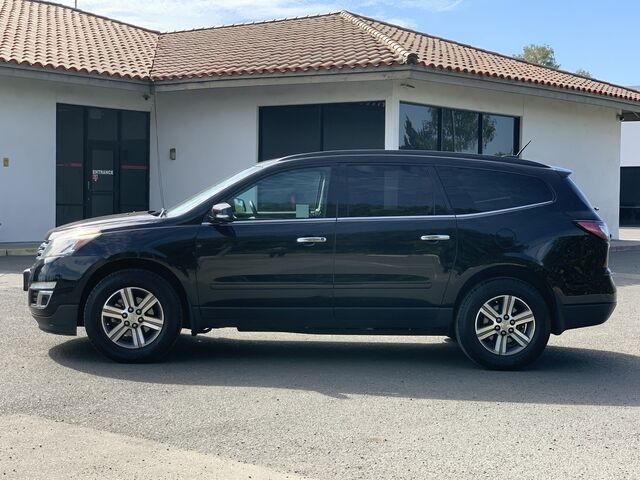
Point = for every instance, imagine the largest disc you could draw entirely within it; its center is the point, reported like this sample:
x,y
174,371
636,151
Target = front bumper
x,y
62,320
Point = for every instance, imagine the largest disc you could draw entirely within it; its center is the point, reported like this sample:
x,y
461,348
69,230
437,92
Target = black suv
x,y
496,253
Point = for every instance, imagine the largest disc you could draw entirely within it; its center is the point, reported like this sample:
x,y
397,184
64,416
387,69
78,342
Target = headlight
x,y
68,244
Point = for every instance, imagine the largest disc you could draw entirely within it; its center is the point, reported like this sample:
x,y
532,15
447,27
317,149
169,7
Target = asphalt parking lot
x,y
236,405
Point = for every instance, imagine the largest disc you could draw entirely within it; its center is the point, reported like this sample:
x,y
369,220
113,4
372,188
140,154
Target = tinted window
x,y
288,130
291,129
348,126
459,131
384,190
292,194
419,127
423,127
69,164
473,190
498,135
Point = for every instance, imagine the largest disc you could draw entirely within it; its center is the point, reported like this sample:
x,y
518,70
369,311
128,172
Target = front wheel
x,y
503,324
133,316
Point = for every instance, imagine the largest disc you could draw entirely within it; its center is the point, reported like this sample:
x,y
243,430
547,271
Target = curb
x,y
18,252
625,248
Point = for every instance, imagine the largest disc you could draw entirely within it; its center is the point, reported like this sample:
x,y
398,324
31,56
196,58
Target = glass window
x,y
352,125
498,135
69,164
418,127
102,124
388,190
287,130
300,193
472,190
434,128
459,131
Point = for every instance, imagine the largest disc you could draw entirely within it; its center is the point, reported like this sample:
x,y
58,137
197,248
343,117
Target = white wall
x,y
630,145
28,139
582,138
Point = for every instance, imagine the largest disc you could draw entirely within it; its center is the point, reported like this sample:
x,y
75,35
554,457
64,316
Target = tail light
x,y
595,227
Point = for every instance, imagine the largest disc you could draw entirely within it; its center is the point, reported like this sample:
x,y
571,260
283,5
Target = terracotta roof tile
x,y
322,42
437,53
49,35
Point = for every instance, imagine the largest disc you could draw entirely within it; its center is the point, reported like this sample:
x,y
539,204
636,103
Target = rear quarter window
x,y
472,190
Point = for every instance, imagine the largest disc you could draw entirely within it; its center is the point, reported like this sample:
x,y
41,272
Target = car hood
x,y
102,224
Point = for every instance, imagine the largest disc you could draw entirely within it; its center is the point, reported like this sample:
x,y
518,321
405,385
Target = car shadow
x,y
406,370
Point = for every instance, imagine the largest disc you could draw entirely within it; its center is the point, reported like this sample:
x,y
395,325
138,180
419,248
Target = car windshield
x,y
197,199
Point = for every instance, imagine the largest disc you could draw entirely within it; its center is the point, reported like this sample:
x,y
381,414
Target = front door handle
x,y
311,240
434,238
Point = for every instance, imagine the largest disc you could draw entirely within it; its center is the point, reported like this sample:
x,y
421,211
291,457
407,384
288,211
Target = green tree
x,y
584,73
540,54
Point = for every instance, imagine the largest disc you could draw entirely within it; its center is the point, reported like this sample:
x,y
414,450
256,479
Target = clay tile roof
x,y
48,35
437,53
322,42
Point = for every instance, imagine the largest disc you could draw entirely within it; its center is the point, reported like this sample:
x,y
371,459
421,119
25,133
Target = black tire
x,y
465,324
137,278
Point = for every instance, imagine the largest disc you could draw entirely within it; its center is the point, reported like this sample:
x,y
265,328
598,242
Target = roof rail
x,y
420,153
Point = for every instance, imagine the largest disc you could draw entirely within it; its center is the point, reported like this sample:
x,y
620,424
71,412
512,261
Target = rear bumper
x,y
64,321
583,315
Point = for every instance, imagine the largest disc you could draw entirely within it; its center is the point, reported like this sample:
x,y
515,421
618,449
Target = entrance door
x,y
102,162
101,185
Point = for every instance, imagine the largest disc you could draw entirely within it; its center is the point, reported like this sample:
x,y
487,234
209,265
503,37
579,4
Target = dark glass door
x,y
102,162
100,194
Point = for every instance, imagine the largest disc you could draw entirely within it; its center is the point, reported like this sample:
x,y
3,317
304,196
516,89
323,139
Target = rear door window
x,y
472,190
387,190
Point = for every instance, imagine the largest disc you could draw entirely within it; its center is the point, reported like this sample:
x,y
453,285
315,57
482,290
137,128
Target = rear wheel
x,y
133,316
503,324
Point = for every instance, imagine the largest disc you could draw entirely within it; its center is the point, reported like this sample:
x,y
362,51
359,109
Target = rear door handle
x,y
311,240
434,238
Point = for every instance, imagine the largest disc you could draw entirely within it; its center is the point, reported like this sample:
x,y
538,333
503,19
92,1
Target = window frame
x,y
440,108
438,190
229,195
320,107
496,211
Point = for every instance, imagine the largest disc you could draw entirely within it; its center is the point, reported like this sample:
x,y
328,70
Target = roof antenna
x,y
75,4
522,149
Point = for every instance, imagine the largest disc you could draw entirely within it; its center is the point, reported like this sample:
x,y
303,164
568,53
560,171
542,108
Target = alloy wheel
x,y
505,325
132,317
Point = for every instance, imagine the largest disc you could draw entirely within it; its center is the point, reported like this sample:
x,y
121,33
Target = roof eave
x,y
70,76
399,72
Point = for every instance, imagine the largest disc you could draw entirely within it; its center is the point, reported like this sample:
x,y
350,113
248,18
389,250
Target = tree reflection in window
x,y
432,128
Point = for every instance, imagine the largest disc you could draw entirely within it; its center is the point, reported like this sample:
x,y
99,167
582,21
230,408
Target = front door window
x,y
293,194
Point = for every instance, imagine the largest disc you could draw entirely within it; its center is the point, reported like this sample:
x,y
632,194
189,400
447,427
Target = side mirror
x,y
222,213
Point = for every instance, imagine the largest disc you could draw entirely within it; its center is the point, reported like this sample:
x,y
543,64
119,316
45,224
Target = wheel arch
x,y
528,275
140,264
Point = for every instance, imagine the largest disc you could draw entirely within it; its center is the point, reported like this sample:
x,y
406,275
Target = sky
x,y
588,34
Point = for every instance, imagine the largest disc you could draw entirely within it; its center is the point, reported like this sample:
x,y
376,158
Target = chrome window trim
x,y
505,210
274,220
393,217
450,217
398,217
